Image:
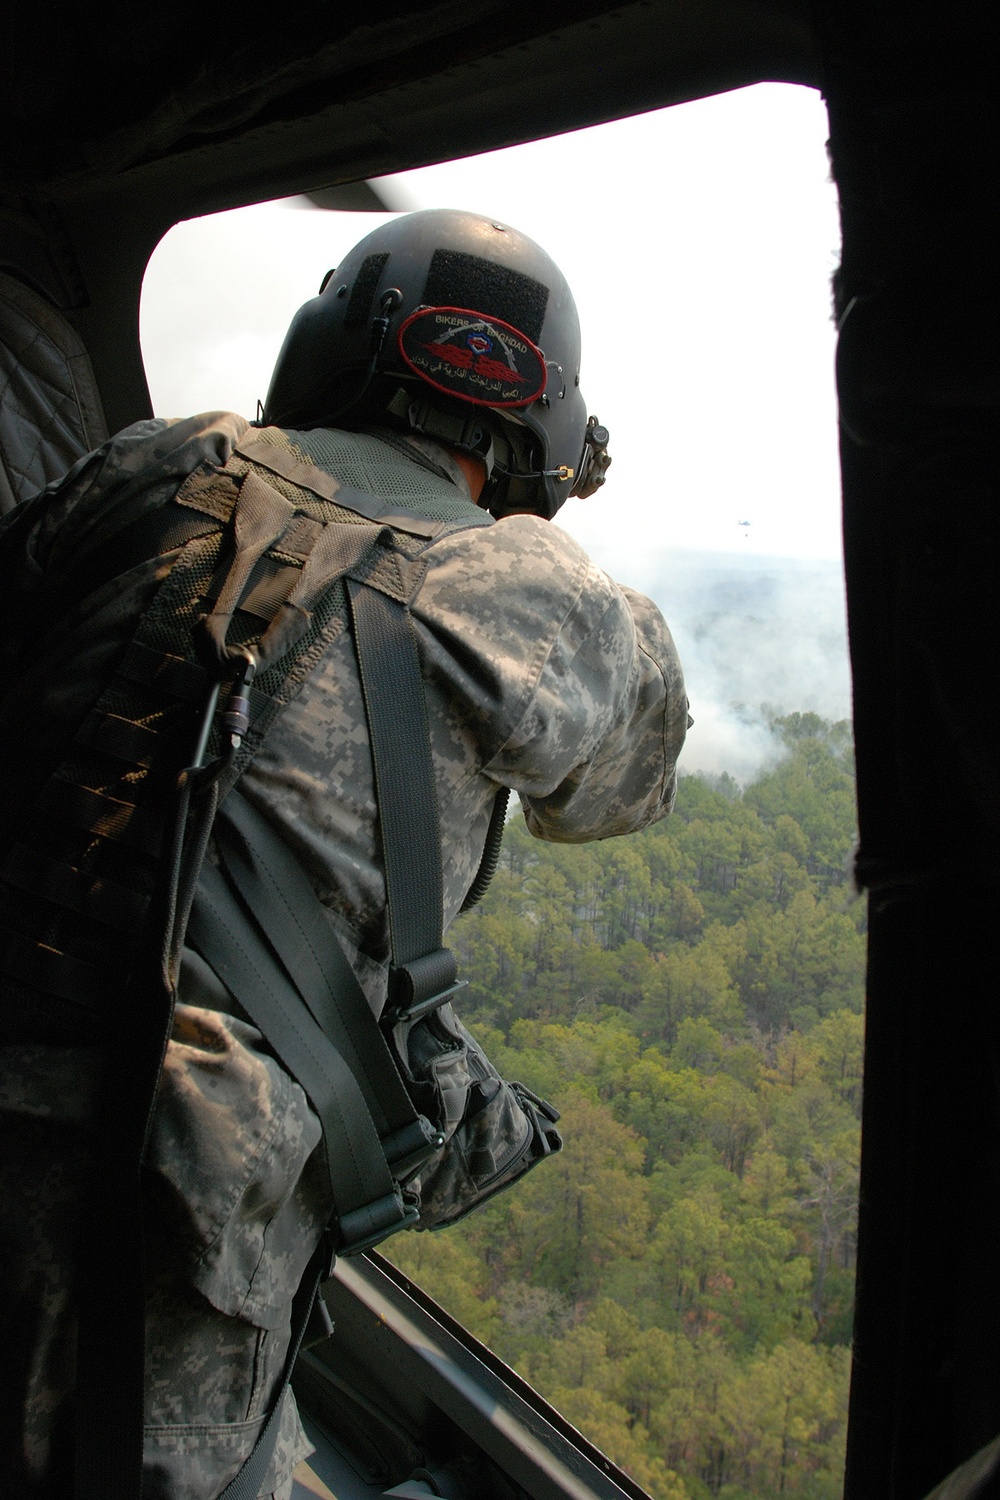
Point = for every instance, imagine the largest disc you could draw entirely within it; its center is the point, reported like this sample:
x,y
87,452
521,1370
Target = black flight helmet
x,y
461,329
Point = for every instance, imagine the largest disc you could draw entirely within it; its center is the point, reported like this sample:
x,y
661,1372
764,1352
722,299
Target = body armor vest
x,y
261,547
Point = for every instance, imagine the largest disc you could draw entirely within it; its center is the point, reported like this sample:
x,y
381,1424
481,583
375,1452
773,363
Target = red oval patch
x,y
466,354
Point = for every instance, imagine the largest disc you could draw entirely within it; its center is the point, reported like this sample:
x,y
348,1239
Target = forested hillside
x,y
678,1281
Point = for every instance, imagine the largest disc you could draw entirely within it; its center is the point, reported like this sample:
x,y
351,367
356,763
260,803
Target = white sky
x,y
699,241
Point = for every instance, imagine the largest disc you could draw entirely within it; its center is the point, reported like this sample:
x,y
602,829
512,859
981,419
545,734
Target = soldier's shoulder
x,y
522,568
209,436
532,541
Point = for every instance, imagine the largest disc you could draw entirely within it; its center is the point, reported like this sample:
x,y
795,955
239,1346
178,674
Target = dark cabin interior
x,y
121,120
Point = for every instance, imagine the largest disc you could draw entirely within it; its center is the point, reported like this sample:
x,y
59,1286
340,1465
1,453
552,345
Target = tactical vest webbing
x,y
263,546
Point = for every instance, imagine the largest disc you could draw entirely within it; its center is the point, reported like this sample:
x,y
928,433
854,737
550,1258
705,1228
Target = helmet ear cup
x,y
594,462
514,326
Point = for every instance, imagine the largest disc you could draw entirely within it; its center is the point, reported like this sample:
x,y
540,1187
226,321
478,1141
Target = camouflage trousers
x,y
234,1213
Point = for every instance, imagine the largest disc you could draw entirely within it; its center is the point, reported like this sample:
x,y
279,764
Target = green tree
x,y
587,1208
449,1270
840,1042
785,1417
687,982
830,1202
608,1424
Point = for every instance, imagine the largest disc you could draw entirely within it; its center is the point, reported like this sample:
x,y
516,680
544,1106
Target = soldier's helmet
x,y
459,328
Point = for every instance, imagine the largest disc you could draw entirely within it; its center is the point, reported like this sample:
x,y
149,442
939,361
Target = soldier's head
x,y
463,330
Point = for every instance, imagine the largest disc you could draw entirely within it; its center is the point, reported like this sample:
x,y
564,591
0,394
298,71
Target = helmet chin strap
x,y
466,435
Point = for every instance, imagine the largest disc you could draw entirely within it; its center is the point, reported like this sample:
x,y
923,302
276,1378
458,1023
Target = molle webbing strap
x,y
57,974
83,856
115,906
106,817
172,675
122,739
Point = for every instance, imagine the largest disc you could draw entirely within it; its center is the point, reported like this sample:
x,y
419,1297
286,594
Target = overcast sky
x,y
699,242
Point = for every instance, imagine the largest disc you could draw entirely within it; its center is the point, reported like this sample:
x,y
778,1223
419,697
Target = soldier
x,y
438,372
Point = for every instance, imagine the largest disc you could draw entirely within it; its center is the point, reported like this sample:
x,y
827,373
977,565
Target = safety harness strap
x,y
360,1181
171,675
275,889
423,972
311,1007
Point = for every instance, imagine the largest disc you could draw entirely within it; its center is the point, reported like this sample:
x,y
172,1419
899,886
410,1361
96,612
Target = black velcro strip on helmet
x,y
459,280
363,290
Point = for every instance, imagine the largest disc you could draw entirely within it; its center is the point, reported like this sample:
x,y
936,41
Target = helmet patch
x,y
477,358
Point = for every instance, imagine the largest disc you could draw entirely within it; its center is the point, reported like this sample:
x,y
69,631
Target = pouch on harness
x,y
98,884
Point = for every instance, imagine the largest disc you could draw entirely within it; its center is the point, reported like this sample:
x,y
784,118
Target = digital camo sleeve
x,y
617,709
570,685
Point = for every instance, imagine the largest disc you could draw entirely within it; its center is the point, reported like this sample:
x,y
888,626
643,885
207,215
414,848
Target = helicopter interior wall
x,y
160,135
168,127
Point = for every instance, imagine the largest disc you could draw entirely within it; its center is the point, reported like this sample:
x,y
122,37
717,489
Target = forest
x,y
678,1280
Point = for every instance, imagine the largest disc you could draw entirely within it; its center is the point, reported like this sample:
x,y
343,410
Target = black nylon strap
x,y
392,685
231,944
277,891
121,738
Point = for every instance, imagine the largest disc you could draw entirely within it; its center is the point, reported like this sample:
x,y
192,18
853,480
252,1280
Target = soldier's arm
x,y
571,683
628,746
608,720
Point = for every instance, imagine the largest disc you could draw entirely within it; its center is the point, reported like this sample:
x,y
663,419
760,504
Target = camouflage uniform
x,y
540,674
